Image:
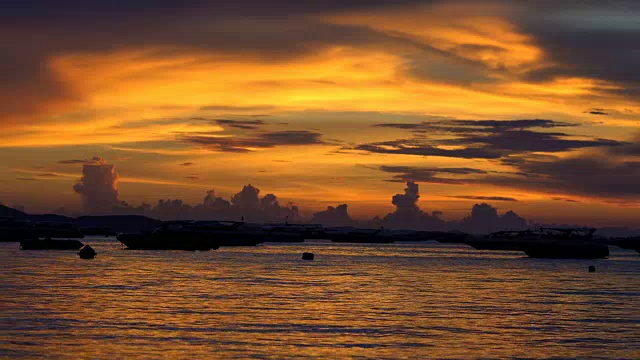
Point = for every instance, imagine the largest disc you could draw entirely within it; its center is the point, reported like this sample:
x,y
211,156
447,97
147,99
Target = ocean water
x,y
370,301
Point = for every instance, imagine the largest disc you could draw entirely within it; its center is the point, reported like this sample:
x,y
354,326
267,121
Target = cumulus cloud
x,y
246,204
484,219
333,216
98,187
408,214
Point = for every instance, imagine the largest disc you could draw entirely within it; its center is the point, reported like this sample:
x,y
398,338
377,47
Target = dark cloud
x,y
267,32
187,164
611,173
631,149
226,108
262,140
429,175
418,147
597,40
47,175
597,111
95,160
475,126
241,124
484,139
488,198
556,198
192,177
595,176
71,162
518,141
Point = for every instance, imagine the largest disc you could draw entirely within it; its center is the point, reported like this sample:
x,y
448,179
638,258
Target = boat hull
x,y
154,242
566,251
36,244
361,239
505,245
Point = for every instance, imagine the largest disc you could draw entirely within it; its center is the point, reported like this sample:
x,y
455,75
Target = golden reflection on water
x,y
378,301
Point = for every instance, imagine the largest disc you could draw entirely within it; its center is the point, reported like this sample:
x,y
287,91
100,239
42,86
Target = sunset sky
x,y
532,106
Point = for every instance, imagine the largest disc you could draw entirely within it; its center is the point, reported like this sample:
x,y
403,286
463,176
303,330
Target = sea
x,y
382,301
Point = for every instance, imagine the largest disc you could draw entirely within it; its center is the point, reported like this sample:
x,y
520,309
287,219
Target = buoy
x,y
592,268
307,256
87,252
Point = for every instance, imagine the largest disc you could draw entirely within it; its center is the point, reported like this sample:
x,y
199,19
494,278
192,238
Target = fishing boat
x,y
552,243
12,230
359,236
291,232
630,243
501,240
455,237
167,238
50,244
191,235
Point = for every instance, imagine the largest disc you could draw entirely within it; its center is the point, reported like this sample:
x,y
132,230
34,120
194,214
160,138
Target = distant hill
x,y
50,217
6,211
117,223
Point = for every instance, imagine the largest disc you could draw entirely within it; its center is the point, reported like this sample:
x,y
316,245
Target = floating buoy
x,y
87,252
592,268
307,256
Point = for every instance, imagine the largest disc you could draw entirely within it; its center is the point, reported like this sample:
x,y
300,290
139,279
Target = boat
x,y
98,231
439,236
501,240
225,233
454,237
629,243
359,236
291,232
564,250
169,236
50,244
12,230
191,235
166,240
55,229
552,243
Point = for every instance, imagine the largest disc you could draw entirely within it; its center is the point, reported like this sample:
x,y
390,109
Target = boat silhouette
x,y
358,236
552,243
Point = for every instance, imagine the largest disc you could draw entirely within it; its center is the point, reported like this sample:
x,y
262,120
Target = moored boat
x,y
502,240
98,231
554,243
560,250
50,244
291,232
12,230
630,243
360,236
191,235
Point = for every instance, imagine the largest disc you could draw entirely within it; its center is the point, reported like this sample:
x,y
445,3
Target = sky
x,y
531,106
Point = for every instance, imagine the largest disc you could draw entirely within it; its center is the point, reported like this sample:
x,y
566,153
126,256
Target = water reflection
x,y
391,300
